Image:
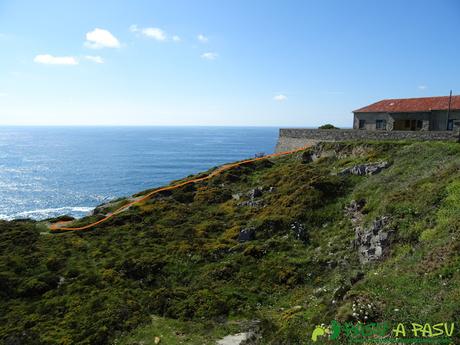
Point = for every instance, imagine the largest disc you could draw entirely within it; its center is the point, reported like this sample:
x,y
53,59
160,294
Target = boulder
x,y
237,339
253,194
247,234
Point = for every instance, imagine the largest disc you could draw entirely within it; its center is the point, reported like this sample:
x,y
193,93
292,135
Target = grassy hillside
x,y
274,241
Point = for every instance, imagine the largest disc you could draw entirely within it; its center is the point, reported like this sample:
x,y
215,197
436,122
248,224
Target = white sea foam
x,y
49,213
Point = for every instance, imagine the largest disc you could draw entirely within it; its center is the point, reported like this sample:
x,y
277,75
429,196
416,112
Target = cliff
x,y
345,231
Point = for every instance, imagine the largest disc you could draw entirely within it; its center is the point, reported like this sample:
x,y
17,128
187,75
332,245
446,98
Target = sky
x,y
222,62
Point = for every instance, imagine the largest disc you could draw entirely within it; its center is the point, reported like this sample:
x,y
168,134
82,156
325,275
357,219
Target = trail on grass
x,y
60,226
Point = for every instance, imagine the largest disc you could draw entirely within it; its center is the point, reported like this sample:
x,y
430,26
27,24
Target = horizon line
x,y
128,125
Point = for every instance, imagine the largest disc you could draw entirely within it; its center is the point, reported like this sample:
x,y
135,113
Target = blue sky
x,y
251,62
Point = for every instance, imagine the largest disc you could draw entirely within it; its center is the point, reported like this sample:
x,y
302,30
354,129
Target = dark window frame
x,y
362,124
450,124
381,125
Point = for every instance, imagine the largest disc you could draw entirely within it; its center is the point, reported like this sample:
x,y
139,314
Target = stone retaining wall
x,y
292,138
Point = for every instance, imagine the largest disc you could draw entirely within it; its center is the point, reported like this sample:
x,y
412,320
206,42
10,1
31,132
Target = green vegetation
x,y
328,126
172,267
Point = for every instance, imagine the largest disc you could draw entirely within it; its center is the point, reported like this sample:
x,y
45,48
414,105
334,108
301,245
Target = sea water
x,y
51,171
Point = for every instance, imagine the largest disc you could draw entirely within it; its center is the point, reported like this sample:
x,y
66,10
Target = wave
x,y
40,214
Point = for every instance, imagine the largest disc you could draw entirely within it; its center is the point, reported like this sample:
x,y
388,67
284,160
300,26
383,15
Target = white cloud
x,y
100,38
93,58
209,56
422,87
280,98
155,33
176,38
55,60
202,38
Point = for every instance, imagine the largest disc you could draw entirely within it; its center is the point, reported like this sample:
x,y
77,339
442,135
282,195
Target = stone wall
x,y
292,138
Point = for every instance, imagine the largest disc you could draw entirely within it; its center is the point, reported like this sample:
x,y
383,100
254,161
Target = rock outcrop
x,y
315,153
236,339
365,169
373,241
253,196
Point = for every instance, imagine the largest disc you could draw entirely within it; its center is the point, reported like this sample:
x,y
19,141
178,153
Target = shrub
x,y
328,126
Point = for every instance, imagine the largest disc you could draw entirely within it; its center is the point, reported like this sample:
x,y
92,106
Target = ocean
x,y
50,171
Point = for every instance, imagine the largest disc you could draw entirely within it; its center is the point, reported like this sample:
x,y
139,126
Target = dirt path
x,y
61,226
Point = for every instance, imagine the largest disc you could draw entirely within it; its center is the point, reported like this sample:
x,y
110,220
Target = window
x,y
450,125
362,124
419,124
381,124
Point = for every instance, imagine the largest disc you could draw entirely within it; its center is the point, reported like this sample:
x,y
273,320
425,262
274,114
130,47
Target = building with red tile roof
x,y
411,114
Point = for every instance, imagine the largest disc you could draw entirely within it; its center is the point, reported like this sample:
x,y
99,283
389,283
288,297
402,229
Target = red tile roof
x,y
403,105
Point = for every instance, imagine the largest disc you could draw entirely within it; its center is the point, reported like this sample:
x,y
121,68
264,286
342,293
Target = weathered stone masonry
x,y
293,138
